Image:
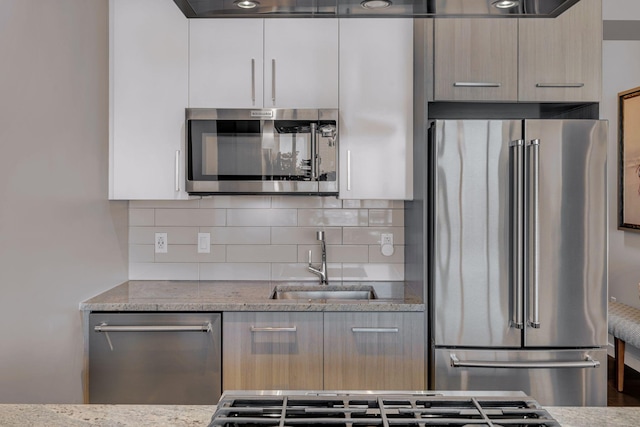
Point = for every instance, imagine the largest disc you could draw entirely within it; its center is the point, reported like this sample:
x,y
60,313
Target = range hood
x,y
373,8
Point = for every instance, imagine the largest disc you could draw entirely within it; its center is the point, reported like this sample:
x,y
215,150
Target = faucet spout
x,y
321,271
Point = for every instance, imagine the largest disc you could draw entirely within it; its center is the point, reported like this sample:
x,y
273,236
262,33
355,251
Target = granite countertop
x,y
199,416
152,295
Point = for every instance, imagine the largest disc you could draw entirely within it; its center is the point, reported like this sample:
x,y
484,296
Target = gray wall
x,y
61,241
620,71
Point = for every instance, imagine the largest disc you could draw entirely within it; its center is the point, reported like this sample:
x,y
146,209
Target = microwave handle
x,y
314,152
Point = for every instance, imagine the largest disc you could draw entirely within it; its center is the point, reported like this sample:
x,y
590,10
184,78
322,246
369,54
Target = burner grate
x,y
351,410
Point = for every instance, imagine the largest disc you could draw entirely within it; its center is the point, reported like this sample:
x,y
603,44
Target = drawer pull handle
x,y
476,84
153,328
559,84
376,330
273,329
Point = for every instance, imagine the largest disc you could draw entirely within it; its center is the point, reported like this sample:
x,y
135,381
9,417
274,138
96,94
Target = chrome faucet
x,y
322,271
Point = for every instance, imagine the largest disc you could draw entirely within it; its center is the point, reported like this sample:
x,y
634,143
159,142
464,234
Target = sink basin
x,y
323,292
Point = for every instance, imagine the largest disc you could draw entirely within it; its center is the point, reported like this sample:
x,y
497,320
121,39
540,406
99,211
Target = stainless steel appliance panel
x,y
552,377
150,358
256,151
472,254
566,280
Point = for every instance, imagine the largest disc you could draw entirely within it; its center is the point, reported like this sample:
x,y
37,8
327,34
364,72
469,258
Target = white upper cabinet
x,y
148,84
560,59
476,59
225,63
254,63
376,109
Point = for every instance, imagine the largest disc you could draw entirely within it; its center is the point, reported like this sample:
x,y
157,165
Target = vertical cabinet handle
x,y
314,152
273,81
517,232
177,177
253,81
533,233
348,170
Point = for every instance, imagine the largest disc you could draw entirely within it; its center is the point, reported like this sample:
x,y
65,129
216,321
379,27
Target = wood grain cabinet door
x,y
476,59
560,59
272,350
374,351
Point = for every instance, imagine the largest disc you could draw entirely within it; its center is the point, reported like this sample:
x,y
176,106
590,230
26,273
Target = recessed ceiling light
x,y
246,4
375,4
505,4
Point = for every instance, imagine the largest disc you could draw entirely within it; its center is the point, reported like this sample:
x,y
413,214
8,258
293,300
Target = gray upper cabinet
x,y
528,60
561,59
476,59
255,63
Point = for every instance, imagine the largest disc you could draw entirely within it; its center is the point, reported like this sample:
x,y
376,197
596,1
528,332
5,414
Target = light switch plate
x,y
204,243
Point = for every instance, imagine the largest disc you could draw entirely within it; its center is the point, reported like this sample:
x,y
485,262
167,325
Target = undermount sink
x,y
323,292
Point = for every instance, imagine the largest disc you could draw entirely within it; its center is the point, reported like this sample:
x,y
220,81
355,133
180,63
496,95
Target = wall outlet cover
x,y
161,243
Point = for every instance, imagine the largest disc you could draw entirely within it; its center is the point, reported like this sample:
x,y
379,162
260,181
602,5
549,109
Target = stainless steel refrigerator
x,y
518,258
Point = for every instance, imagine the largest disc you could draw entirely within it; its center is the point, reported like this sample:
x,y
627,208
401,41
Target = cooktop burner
x,y
364,409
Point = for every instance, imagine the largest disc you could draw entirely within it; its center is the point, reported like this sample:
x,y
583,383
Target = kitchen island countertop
x,y
56,415
155,295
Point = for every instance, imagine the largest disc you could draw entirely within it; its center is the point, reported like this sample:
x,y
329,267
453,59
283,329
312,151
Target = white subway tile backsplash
x,y
190,217
175,235
242,202
300,272
386,217
261,253
332,217
373,272
239,235
262,217
335,253
310,202
141,253
189,253
370,235
163,271
265,238
235,271
303,235
141,217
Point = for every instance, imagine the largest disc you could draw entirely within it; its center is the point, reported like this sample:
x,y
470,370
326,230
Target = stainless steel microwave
x,y
256,151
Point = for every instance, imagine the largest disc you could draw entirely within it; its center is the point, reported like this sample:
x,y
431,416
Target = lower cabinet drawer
x,y
374,351
272,350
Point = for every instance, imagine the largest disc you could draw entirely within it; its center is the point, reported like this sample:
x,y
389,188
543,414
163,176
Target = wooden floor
x,y
631,394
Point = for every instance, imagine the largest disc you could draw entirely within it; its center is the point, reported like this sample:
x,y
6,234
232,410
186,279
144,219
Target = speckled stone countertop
x,y
200,416
151,295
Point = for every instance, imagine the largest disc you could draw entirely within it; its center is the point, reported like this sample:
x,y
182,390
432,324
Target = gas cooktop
x,y
367,408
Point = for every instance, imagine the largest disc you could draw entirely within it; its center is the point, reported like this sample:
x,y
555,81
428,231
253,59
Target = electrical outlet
x,y
386,239
204,243
161,243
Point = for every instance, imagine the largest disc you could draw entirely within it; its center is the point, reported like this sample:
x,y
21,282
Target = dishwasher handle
x,y
103,327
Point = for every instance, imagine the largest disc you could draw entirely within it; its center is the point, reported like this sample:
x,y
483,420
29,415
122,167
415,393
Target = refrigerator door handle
x,y
517,233
533,283
588,362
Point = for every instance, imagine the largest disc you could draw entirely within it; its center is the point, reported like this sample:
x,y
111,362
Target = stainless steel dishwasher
x,y
155,358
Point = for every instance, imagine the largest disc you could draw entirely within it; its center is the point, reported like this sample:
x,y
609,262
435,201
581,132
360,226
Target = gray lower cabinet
x,y
272,350
374,351
330,351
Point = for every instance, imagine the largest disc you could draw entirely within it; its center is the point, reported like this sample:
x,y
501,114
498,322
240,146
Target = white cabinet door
x,y
225,63
148,55
301,63
560,59
376,109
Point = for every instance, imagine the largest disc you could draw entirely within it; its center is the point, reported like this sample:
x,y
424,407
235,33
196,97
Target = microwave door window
x,y
292,160
230,150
